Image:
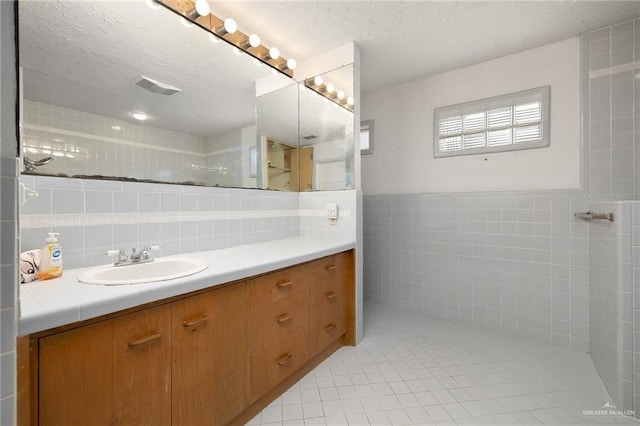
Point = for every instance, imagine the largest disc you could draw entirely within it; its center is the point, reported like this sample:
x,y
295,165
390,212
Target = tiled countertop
x,y
64,300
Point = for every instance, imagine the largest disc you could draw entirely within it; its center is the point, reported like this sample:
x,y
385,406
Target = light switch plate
x,y
332,211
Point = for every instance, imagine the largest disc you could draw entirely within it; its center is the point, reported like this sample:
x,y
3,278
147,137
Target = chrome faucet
x,y
30,165
142,256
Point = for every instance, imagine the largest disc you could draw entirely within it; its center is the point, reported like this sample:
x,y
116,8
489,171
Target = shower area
x,y
611,132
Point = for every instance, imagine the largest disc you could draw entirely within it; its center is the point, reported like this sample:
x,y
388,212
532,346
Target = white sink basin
x,y
159,270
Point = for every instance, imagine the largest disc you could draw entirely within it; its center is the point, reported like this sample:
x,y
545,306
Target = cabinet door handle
x,y
331,295
330,267
283,318
283,284
284,359
330,328
197,321
142,341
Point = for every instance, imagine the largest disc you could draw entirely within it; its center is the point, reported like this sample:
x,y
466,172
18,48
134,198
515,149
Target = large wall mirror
x,y
327,132
89,67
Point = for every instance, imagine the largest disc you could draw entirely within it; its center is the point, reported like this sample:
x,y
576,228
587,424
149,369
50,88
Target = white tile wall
x,y
313,213
94,216
82,143
514,261
612,95
611,301
635,279
8,216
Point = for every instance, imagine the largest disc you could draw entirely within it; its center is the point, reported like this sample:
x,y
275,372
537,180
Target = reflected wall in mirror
x,y
327,132
277,129
83,67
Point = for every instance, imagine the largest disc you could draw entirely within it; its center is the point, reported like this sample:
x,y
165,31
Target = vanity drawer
x,y
275,320
331,266
325,330
274,363
327,295
273,286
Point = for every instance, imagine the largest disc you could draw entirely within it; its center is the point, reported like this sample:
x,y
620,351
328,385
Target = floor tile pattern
x,y
413,369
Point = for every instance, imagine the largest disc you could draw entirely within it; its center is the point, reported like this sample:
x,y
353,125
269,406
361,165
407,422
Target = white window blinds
x,y
502,123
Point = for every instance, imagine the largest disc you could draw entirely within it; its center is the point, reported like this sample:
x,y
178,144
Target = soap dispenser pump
x,y
51,261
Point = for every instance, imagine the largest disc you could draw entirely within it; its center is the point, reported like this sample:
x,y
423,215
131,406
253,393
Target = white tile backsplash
x,y
126,214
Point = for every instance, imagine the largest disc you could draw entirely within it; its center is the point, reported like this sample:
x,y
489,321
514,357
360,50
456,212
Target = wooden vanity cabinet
x,y
209,357
214,357
183,363
279,314
328,301
114,372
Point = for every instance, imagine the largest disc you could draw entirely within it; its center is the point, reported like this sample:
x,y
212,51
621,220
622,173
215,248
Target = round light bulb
x,y
230,26
350,101
318,81
254,40
330,88
202,7
140,116
292,64
340,94
274,53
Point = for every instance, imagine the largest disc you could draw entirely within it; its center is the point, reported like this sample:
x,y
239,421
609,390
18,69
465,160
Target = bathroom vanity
x,y
214,355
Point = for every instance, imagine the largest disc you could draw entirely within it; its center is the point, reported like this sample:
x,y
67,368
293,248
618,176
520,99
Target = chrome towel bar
x,y
593,216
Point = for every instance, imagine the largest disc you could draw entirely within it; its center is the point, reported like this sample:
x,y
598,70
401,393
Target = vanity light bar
x,y
327,90
227,30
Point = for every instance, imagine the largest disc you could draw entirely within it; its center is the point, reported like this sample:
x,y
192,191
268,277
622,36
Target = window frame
x,y
541,94
369,126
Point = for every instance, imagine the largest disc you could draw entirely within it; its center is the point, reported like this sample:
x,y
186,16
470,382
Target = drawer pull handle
x,y
283,284
284,318
330,267
142,341
331,295
284,359
192,323
330,328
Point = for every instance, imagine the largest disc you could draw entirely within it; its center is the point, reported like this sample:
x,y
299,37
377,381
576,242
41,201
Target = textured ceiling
x,y
404,40
86,55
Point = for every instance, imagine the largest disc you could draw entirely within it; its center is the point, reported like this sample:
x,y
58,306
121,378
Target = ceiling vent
x,y
155,86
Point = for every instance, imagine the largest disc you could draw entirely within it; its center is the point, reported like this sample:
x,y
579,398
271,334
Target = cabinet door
x,y
327,329
209,357
275,320
276,362
115,372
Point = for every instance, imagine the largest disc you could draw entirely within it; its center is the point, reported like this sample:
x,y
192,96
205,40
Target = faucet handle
x,y
122,254
145,253
115,252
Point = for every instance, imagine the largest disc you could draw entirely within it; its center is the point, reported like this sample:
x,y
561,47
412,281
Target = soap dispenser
x,y
51,261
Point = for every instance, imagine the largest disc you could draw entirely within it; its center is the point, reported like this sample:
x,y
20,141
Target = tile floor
x,y
412,369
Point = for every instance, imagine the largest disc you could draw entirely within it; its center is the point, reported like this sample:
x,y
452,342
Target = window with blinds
x,y
502,123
